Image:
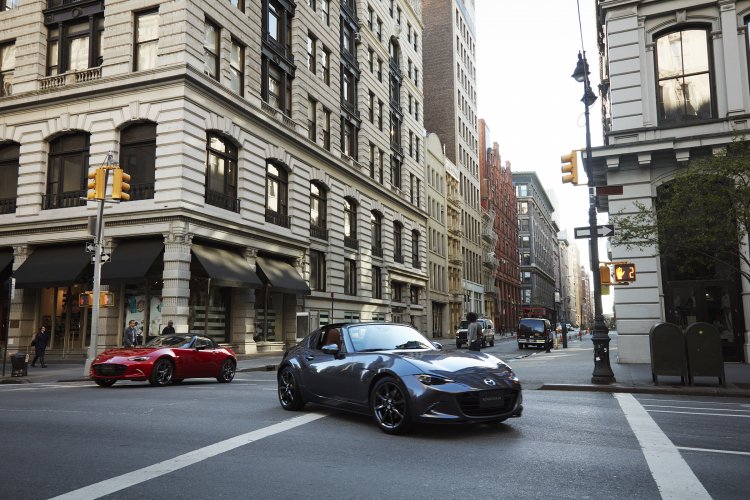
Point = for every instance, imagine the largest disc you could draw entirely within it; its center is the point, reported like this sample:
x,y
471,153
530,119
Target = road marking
x,y
118,483
714,451
692,408
694,402
694,413
672,474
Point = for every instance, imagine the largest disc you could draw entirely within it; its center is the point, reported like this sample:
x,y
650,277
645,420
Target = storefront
x,y
6,269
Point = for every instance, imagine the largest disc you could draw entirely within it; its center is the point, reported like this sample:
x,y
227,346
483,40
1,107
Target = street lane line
x,y
714,451
693,408
673,476
683,401
694,413
109,486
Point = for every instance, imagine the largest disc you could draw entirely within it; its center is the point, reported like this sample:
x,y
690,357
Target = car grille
x,y
469,404
462,335
118,370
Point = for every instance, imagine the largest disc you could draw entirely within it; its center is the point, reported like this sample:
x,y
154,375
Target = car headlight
x,y
139,358
433,380
507,372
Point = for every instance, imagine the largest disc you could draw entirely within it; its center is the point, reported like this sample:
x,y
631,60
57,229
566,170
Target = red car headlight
x,y
140,358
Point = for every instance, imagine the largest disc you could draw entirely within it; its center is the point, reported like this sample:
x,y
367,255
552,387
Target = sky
x,y
530,102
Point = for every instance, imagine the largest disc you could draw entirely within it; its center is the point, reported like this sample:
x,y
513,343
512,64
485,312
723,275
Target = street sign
x,y
105,258
625,272
602,231
91,247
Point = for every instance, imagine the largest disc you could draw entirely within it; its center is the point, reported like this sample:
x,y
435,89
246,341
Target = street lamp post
x,y
602,369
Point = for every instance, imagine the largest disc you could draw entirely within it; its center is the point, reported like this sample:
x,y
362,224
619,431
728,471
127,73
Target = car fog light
x,y
139,358
431,380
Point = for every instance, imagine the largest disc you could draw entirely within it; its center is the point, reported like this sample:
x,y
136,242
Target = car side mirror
x,y
331,349
438,345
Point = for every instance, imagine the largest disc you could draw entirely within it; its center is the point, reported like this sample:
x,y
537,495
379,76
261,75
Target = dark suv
x,y
533,331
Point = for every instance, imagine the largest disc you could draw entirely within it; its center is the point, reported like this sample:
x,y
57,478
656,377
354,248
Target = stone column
x,y
176,275
243,329
22,307
735,99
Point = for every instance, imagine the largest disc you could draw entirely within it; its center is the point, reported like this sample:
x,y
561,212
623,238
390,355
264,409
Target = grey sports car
x,y
395,374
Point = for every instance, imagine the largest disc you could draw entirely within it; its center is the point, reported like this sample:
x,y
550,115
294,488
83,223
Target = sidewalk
x,y
570,370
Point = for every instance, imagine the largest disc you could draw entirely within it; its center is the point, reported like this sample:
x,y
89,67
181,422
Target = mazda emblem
x,y
489,381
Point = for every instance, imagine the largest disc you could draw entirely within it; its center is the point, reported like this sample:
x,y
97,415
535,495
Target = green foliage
x,y
703,217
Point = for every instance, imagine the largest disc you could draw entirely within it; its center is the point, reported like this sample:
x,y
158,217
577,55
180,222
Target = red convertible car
x,y
168,358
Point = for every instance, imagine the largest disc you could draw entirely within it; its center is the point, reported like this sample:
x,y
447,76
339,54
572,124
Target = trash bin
x,y
20,364
705,358
667,352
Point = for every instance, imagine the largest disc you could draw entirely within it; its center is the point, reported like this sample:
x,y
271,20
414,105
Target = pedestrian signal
x,y
625,272
120,184
604,275
570,168
106,299
85,299
97,184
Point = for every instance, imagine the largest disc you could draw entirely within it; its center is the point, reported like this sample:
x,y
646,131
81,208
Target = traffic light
x,y
570,167
97,183
106,299
85,299
120,184
625,272
604,275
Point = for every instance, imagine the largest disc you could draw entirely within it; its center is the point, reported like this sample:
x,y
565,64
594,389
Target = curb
x,y
15,380
265,368
676,391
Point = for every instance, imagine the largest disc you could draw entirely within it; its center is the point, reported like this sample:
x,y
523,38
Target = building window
x,y
526,277
395,172
372,160
324,11
376,225
370,14
522,189
79,47
8,4
414,295
138,158
276,189
523,207
371,59
277,62
416,77
380,70
146,40
416,149
347,87
236,66
7,66
398,239
278,88
351,317
348,138
67,171
380,115
684,76
350,277
371,109
411,187
377,285
398,18
526,259
415,248
211,34
416,37
317,271
380,165
411,144
380,30
317,206
524,224
350,219
311,54
221,173
326,75
396,292
327,129
9,155
416,111
418,192
311,4
525,242
311,120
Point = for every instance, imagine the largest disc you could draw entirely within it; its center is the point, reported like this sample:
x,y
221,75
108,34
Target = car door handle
x,y
310,357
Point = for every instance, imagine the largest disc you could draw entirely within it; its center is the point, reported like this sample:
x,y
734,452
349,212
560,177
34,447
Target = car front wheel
x,y
226,374
389,407
162,373
289,393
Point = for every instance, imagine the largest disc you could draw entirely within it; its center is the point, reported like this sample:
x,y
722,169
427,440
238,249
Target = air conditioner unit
x,y
358,37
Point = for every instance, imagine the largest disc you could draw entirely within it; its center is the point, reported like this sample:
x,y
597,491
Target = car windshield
x,y
369,338
531,326
171,341
464,325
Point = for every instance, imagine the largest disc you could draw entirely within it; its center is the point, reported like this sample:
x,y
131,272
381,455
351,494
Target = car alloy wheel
x,y
390,408
289,393
226,374
162,373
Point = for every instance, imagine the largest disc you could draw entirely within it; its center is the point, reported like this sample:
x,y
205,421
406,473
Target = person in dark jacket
x,y
169,329
40,345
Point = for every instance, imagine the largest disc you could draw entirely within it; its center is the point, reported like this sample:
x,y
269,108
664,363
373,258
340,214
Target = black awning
x,y
226,267
131,260
6,263
53,265
281,276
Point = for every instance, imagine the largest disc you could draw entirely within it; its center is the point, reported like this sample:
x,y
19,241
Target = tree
x,y
700,220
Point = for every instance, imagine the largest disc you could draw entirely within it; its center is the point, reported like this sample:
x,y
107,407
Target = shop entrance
x,y
437,320
61,315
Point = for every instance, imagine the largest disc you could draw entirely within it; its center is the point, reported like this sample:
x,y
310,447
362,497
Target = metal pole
x,y
602,369
7,325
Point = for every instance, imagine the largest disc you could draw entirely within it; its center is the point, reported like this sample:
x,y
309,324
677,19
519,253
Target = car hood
x,y
454,364
126,352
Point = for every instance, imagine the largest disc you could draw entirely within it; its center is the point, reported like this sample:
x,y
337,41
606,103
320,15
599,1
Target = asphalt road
x,y
209,440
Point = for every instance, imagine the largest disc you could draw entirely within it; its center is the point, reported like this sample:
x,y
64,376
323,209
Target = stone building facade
x,y
675,86
266,181
455,233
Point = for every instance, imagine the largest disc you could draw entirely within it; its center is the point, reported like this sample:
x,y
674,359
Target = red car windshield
x,y
171,341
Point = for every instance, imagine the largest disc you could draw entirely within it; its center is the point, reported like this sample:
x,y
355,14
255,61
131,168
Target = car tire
x,y
290,396
458,345
520,345
492,343
390,407
162,373
107,382
226,373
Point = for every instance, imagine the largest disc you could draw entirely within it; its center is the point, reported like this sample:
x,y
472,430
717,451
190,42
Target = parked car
x,y
393,373
488,333
167,358
535,332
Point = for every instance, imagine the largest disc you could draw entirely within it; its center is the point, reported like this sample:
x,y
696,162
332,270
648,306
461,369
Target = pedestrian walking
x,y
40,345
128,336
169,329
473,332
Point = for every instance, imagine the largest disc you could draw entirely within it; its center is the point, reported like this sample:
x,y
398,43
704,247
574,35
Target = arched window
x,y
350,223
221,174
138,158
415,249
684,76
9,154
318,211
376,223
67,172
277,195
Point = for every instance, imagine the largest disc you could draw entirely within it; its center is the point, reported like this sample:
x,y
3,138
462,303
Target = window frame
x,y
398,239
326,64
11,164
377,283
3,84
312,119
84,153
350,216
241,70
311,54
282,180
322,199
376,226
227,157
350,277
125,145
63,39
136,44
318,272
